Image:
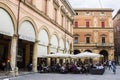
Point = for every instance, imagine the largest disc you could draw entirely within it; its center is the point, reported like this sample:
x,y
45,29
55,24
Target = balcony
x,y
94,44
104,44
84,44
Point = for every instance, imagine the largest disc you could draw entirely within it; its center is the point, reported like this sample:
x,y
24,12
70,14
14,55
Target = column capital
x,y
37,41
49,44
15,35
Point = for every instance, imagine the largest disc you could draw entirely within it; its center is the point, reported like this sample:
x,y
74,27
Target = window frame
x,y
103,24
76,23
87,24
76,40
87,40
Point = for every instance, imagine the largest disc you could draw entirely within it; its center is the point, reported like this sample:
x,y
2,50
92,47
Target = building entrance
x,y
105,55
5,42
25,54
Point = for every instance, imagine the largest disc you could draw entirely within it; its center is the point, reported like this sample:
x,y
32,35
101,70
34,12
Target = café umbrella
x,y
58,55
86,55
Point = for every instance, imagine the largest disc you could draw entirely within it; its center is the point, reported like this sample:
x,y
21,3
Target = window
x,y
87,40
87,13
103,24
76,40
102,13
87,24
103,40
62,20
76,13
55,14
76,24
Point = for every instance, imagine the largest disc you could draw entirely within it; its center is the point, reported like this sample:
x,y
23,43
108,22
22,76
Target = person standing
x,y
114,67
109,64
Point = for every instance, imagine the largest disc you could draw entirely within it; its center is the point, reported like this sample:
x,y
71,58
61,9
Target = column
x,y
58,50
48,59
34,62
111,54
96,36
111,38
27,54
13,53
98,59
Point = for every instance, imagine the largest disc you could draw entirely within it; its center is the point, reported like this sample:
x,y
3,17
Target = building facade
x,y
30,29
116,25
93,32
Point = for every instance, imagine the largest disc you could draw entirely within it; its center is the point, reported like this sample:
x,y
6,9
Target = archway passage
x,y
5,42
25,44
105,55
88,60
25,54
76,52
6,33
87,51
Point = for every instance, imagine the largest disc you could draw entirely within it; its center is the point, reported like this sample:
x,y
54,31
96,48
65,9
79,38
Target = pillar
x,y
13,53
27,54
96,36
98,58
48,59
111,54
34,62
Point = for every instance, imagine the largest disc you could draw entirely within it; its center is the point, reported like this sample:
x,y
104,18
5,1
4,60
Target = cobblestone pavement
x,y
108,75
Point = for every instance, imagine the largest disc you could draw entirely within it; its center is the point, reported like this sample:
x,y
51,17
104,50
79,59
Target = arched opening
x,y
54,47
76,52
105,55
87,51
90,60
43,46
67,47
25,45
61,46
6,33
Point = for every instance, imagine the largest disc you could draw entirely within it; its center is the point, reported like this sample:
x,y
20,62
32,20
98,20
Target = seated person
x,y
99,66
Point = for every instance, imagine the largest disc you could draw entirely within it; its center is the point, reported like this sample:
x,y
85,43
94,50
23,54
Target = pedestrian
x,y
109,64
114,67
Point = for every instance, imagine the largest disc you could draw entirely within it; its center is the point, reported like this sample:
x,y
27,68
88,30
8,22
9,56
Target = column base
x,y
14,72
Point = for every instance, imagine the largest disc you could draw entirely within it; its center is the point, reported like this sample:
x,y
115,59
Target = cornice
x,y
65,13
91,28
68,6
56,2
45,16
93,9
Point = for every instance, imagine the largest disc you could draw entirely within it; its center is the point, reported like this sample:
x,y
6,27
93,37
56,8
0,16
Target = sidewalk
x,y
7,74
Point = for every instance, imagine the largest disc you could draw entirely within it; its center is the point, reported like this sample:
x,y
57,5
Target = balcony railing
x,y
104,44
94,44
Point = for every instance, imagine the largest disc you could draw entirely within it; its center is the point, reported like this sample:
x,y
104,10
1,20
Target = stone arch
x,y
76,51
43,42
10,13
46,29
29,22
61,45
87,50
105,55
54,43
67,46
